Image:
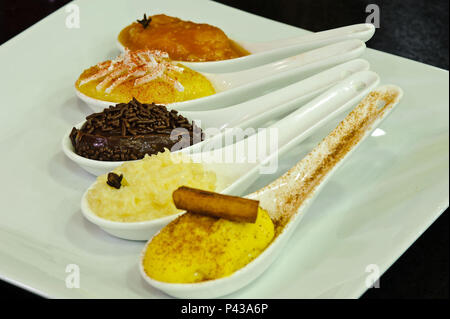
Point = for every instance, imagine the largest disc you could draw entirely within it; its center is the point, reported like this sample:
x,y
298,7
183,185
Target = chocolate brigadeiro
x,y
128,131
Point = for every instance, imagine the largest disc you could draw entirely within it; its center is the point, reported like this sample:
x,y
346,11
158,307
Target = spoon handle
x,y
264,148
303,182
326,56
308,119
276,104
363,32
266,52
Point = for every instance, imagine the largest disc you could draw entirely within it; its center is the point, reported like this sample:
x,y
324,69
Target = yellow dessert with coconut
x,y
144,191
195,248
147,75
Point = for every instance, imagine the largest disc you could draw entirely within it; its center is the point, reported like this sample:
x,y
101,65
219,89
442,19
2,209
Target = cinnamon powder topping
x,y
301,181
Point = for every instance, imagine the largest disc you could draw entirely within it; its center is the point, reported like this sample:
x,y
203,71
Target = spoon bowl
x,y
245,115
236,87
288,198
236,175
266,52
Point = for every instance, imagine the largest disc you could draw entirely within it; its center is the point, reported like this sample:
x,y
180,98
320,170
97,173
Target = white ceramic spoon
x,y
244,115
237,166
236,87
289,197
266,52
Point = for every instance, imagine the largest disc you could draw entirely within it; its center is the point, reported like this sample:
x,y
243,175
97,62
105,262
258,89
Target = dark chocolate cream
x,y
128,131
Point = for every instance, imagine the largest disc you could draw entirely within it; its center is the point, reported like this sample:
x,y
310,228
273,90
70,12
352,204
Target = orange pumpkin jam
x,y
183,40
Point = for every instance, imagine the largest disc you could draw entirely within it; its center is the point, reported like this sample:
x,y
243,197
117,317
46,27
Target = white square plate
x,y
374,208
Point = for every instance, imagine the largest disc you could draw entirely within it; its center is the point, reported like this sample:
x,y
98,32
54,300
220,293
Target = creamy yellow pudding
x,y
145,192
195,248
149,76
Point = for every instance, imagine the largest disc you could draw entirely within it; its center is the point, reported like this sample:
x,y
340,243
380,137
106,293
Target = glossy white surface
x,y
234,178
252,113
266,52
235,87
363,216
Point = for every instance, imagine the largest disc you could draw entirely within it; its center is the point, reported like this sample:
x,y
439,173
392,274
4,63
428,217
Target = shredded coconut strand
x,y
143,65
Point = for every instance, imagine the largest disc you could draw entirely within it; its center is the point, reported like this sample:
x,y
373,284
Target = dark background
x,y
410,28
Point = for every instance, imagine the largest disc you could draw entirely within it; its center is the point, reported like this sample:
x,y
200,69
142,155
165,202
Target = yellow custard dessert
x,y
149,76
145,192
195,248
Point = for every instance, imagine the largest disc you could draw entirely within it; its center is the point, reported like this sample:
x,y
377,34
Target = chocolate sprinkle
x,y
133,118
128,131
114,180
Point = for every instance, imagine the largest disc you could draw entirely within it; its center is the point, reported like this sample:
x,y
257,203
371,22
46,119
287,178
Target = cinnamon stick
x,y
216,205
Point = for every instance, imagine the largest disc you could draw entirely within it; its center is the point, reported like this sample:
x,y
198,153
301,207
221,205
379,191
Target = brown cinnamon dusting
x,y
348,133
